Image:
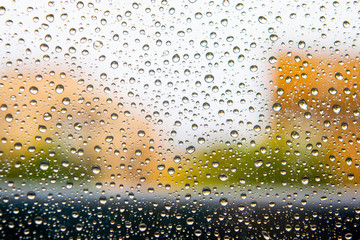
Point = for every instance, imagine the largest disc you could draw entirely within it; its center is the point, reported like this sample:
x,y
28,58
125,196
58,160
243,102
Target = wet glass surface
x,y
179,120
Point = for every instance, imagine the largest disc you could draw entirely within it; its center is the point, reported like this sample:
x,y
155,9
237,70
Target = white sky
x,y
316,25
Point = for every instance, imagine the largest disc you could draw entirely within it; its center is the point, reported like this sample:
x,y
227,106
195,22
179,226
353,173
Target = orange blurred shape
x,y
319,93
110,140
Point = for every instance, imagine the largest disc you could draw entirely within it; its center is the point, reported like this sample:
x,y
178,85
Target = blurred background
x,y
239,102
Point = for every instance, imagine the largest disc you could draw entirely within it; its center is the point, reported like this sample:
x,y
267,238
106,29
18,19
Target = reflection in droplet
x,y
336,108
206,191
209,78
277,107
31,195
44,165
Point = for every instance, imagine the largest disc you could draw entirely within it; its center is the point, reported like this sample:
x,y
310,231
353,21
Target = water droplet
x,y
171,171
97,45
223,177
305,180
109,138
241,58
272,60
102,200
277,107
348,236
301,45
80,5
190,221
253,68
114,64
257,128
176,58
223,201
274,37
303,104
198,232
44,165
42,128
177,159
265,235
17,146
9,117
258,162
50,18
2,10
295,135
142,227
206,191
351,176
234,133
209,56
33,90
346,24
336,108
262,20
97,148
339,76
31,195
161,167
77,126
209,78
239,6
44,47
59,89
96,169
38,220
190,149
332,91
224,22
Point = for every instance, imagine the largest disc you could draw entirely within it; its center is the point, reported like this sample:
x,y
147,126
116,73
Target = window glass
x,y
179,119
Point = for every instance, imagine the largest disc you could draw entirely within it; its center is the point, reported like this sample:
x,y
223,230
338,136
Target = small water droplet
x,y
295,135
190,149
303,104
223,177
272,60
336,108
176,58
253,68
262,20
277,107
44,165
301,45
97,45
305,180
206,191
96,169
223,201
234,133
142,227
177,159
2,10
31,195
258,162
59,89
114,64
346,24
209,78
9,118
